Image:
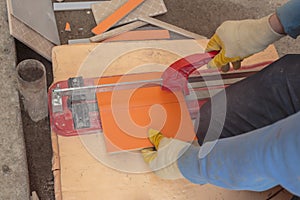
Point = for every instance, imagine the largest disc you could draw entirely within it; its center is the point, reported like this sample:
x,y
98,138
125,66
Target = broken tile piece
x,y
119,14
68,27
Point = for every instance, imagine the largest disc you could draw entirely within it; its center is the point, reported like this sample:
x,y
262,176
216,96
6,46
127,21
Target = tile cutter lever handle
x,y
175,77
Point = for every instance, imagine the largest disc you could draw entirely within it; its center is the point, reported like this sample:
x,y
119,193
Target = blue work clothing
x,y
259,100
289,16
260,138
263,157
256,161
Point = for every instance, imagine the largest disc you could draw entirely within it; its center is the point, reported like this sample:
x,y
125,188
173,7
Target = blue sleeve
x,y
254,161
289,16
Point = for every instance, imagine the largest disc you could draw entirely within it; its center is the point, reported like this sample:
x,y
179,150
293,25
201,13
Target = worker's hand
x,y
237,40
163,159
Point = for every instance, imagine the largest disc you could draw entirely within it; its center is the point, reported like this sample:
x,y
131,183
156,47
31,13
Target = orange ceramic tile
x,y
141,35
116,16
126,115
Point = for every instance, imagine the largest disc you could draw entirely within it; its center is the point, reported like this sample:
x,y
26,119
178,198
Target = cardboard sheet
x,y
126,115
82,168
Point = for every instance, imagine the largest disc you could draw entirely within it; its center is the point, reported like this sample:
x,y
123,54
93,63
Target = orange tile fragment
x,y
141,35
116,16
126,115
68,27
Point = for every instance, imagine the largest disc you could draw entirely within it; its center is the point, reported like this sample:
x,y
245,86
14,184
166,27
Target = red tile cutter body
x,y
72,103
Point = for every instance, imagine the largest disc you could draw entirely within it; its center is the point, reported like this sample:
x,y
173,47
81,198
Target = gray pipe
x,y
33,87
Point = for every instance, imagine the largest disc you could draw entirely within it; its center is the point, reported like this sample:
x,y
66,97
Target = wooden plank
x,y
85,179
281,194
170,27
116,16
141,35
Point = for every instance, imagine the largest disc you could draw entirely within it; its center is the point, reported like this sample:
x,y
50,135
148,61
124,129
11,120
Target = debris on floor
x,y
68,27
34,196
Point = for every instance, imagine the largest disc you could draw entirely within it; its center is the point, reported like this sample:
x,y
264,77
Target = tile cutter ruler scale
x,y
73,105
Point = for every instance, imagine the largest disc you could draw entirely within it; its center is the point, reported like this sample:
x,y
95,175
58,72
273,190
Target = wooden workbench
x,y
81,166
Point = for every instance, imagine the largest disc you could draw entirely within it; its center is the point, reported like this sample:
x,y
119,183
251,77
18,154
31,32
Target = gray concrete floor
x,y
204,16
14,183
200,16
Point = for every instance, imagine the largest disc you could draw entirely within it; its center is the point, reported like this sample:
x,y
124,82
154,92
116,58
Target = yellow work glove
x,y
237,40
163,159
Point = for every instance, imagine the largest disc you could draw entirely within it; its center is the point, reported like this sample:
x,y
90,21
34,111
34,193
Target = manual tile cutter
x,y
72,103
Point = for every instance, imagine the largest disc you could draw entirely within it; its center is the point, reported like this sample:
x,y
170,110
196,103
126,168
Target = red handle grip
x,y
176,75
